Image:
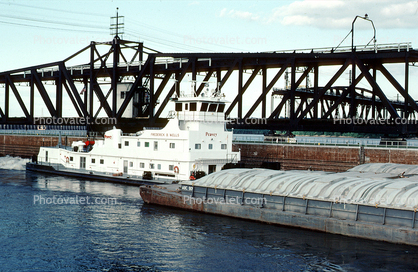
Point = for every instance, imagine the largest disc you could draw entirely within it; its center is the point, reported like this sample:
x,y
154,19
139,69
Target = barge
x,y
372,201
194,143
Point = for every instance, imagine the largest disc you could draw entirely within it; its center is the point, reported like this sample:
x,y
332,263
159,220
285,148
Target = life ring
x,y
67,160
176,169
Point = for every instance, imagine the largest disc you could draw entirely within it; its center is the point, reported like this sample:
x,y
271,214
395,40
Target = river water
x,y
51,223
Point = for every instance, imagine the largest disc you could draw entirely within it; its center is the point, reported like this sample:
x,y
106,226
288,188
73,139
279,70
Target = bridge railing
x,y
127,65
313,142
402,46
73,133
82,67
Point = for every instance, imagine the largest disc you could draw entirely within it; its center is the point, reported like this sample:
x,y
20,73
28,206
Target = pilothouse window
x,y
178,107
204,107
212,107
221,107
193,106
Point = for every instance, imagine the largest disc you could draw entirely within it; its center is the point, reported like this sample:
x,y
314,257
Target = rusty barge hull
x,y
359,229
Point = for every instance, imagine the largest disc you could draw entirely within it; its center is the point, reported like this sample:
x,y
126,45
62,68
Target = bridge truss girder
x,y
310,110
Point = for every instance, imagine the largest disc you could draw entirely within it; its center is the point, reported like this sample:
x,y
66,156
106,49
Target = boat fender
x,y
176,169
67,159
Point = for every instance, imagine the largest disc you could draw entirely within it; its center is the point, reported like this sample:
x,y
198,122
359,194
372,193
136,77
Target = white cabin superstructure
x,y
194,139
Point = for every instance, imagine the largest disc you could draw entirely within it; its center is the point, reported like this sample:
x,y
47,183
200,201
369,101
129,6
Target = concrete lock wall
x,y
322,158
26,146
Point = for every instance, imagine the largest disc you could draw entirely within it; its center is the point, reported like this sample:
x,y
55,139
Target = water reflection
x,y
132,236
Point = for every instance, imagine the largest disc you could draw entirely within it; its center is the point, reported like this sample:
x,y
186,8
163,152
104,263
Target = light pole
x,y
366,17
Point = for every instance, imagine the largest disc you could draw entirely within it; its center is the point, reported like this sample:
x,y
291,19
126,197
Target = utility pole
x,y
116,28
117,24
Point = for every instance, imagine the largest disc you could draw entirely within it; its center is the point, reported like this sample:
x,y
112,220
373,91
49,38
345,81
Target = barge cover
x,y
374,201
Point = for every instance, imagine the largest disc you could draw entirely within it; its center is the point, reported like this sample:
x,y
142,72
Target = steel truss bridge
x,y
155,77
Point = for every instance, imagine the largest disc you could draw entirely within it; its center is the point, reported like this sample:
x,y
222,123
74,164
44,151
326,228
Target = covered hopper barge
x,y
373,201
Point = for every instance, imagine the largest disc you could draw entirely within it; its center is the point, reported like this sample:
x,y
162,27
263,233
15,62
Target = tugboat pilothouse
x,y
194,142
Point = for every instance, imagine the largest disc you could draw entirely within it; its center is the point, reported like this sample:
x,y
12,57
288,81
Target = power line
x,y
47,27
91,27
177,35
166,42
49,21
147,26
52,9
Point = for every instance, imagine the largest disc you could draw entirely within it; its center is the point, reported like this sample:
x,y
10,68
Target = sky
x,y
38,32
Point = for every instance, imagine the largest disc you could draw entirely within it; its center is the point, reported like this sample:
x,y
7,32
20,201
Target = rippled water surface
x,y
133,236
